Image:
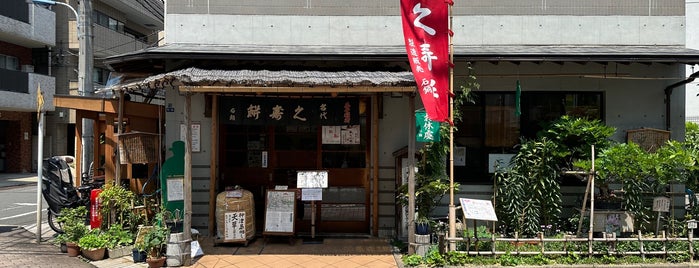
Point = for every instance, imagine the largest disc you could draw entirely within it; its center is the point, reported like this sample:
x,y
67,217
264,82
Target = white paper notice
x,y
331,135
312,179
196,136
311,194
235,226
175,188
478,209
350,134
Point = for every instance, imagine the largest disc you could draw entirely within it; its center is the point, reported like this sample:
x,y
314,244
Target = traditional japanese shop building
x,y
272,89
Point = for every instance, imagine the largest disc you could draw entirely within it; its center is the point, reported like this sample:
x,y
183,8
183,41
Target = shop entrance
x,y
264,156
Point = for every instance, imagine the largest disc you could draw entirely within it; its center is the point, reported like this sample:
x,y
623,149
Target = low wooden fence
x,y
580,246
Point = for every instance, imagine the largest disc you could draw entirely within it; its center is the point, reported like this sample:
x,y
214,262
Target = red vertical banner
x,y
426,33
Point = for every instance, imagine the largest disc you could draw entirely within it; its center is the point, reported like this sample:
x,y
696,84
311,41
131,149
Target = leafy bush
x,y
412,260
117,236
73,222
93,240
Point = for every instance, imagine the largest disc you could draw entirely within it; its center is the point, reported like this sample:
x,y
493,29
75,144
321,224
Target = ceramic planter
x,y
94,254
73,249
119,252
156,262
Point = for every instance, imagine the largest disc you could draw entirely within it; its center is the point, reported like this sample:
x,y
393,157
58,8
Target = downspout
x,y
668,93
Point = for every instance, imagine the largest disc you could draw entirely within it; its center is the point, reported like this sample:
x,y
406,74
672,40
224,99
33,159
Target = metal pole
x,y
452,207
411,175
39,167
85,86
592,202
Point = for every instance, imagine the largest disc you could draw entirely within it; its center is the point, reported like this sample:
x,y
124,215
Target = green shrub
x,y
93,240
412,260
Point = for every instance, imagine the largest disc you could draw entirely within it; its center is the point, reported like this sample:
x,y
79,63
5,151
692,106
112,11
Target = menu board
x,y
279,212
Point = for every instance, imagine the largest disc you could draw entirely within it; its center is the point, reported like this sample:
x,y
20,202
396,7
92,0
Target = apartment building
x,y
118,26
26,35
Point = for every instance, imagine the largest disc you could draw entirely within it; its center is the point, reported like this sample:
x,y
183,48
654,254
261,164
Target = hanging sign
x,y
426,34
427,130
289,112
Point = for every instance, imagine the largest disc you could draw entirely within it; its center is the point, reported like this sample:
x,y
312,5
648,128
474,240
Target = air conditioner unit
x,y
28,68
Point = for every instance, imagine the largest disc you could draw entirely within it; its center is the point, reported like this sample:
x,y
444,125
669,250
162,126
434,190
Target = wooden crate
x,y
649,139
139,147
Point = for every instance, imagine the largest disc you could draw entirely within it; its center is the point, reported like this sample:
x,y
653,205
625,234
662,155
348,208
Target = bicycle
x,y
59,192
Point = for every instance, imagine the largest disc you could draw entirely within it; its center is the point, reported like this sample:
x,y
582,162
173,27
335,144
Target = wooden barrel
x,y
225,204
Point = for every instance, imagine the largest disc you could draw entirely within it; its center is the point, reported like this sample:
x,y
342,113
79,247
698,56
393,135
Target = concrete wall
x,y
200,160
387,30
39,32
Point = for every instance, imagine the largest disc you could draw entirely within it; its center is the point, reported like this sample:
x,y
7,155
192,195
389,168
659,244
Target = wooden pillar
x,y
375,162
187,232
411,175
78,146
213,170
111,169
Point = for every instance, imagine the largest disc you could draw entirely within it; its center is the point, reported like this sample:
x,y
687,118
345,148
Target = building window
x,y
100,76
9,62
490,126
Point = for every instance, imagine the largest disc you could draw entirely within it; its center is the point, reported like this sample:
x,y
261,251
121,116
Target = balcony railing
x,y
14,81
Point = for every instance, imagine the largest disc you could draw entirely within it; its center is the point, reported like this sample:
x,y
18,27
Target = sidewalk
x,y
18,248
16,179
279,253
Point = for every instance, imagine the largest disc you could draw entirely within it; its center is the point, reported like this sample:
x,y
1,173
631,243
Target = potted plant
x,y
73,222
119,241
153,240
422,225
93,245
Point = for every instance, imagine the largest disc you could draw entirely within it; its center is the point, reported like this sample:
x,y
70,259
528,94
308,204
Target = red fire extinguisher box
x,y
95,217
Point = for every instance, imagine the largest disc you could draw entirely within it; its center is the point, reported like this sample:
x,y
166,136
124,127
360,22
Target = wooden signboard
x,y
280,212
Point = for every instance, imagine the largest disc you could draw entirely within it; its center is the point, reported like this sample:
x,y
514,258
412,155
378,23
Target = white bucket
x,y
178,250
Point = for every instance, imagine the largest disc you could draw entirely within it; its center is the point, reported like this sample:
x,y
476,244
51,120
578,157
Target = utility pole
x,y
85,86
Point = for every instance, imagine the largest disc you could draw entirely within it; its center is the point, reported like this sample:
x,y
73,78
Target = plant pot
x,y
94,254
72,249
156,262
138,256
119,251
422,228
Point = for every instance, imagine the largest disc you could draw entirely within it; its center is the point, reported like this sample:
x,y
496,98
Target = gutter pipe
x,y
668,93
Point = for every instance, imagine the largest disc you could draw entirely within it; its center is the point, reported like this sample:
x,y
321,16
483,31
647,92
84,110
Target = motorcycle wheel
x,y
53,222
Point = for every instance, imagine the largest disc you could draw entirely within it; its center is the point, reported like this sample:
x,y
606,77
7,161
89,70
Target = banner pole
x,y
452,208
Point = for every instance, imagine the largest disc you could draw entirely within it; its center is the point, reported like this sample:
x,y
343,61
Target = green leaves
x,y
529,194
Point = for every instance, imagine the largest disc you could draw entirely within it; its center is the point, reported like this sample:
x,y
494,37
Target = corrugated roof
x,y
558,53
266,78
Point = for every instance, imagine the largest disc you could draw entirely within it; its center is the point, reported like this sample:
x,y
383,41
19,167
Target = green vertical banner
x,y
427,130
518,97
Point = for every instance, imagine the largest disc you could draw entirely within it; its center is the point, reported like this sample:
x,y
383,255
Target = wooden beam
x,y
111,165
319,89
107,106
